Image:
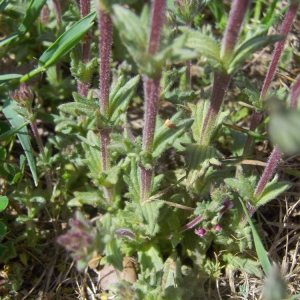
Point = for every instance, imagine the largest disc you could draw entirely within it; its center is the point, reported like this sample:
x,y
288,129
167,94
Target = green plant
x,y
169,217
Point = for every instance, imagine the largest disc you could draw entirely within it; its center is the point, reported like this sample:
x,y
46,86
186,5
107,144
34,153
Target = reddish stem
x,y
105,41
295,93
286,26
269,171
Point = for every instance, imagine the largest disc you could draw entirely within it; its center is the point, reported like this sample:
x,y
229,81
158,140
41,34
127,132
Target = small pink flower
x,y
200,232
217,228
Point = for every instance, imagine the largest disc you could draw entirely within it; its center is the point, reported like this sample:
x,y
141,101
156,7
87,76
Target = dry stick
x,y
286,26
83,87
105,41
152,92
221,78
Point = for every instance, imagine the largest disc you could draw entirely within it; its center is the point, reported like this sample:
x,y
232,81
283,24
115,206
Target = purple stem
x,y
152,92
57,12
83,87
286,26
105,41
42,151
269,171
233,27
221,78
220,84
295,93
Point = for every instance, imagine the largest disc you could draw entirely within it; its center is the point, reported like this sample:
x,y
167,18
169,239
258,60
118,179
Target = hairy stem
x,y
286,26
57,12
152,92
105,40
269,171
220,84
83,87
233,28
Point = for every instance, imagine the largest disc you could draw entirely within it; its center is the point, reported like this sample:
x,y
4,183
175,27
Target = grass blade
x,y
15,120
66,41
260,250
11,132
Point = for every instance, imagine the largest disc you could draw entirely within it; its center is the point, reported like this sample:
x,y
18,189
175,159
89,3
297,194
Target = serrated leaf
x,y
198,158
150,258
165,136
133,182
150,212
171,272
93,154
67,41
119,100
77,108
90,198
16,121
272,190
203,45
247,48
114,255
247,264
242,185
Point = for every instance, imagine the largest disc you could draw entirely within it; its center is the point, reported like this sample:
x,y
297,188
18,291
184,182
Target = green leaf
x,y
90,198
16,121
132,31
7,77
198,158
243,186
203,45
271,191
165,136
8,39
150,258
172,272
7,251
150,212
260,250
66,41
3,202
119,99
114,255
12,132
31,15
93,155
247,264
247,48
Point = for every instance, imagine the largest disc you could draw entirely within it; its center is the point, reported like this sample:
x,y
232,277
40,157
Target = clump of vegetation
x,y
170,207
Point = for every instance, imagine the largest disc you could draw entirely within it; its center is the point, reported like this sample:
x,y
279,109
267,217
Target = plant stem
x,y
235,21
152,92
220,84
42,151
269,171
295,93
57,12
221,78
83,87
105,41
286,26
